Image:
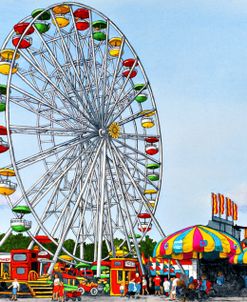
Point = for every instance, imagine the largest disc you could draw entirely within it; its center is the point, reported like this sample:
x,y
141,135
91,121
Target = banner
x,y
235,212
214,204
221,199
229,207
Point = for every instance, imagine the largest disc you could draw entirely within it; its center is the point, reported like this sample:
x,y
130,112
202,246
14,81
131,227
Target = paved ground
x,y
118,299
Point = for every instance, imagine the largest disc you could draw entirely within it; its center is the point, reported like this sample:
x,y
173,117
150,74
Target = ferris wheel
x,y
83,133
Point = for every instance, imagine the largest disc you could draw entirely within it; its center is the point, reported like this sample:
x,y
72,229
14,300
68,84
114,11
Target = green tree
x,y
147,246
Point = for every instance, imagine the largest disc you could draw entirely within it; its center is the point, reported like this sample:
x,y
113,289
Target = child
x,y
144,286
56,283
122,288
15,287
61,292
166,285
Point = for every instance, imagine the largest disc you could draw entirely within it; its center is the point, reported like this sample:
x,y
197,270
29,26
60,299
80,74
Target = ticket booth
x,y
122,269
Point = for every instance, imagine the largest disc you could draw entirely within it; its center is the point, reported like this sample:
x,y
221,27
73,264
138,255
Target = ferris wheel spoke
x,y
67,51
48,185
134,165
23,103
135,136
71,218
119,206
30,160
115,74
69,117
68,200
44,215
143,198
138,151
104,73
79,47
48,175
130,101
122,90
134,117
65,97
95,72
20,129
132,232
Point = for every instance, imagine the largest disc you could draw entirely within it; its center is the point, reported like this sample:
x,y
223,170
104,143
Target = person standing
x,y
15,287
56,284
144,286
138,284
61,292
174,288
167,287
157,282
122,288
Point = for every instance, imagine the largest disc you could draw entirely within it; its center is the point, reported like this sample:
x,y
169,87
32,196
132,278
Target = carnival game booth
x,y
122,269
197,243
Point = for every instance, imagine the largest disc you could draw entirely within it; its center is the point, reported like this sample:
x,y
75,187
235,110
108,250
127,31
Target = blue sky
x,y
195,55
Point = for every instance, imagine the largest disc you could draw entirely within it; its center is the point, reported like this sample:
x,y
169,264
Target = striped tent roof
x,y
195,242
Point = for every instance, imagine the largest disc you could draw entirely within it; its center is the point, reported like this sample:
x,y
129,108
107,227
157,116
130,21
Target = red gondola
x,y
144,229
151,149
19,28
3,130
81,13
24,43
43,239
144,215
127,71
4,146
152,139
130,62
82,25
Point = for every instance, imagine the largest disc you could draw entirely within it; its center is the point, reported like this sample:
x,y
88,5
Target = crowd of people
x,y
174,287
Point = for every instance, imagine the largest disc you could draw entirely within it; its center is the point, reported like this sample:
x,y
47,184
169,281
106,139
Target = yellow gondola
x,y
116,41
152,203
61,21
8,54
66,257
147,122
61,9
7,172
148,113
150,191
7,187
5,68
114,52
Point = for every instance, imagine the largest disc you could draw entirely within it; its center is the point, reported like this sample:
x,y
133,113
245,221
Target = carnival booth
x,y
197,242
122,269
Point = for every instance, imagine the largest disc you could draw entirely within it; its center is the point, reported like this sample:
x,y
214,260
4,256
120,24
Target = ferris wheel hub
x,y
102,132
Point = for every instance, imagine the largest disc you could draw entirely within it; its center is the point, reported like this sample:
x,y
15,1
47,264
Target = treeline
x,y
19,241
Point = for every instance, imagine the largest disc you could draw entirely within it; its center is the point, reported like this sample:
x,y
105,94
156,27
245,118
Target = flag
x,y
221,199
144,260
229,207
214,204
235,212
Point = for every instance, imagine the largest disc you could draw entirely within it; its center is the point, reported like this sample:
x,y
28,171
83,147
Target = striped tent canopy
x,y
239,259
197,242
